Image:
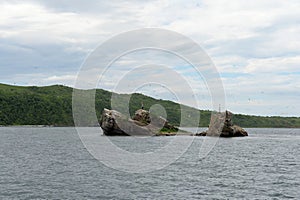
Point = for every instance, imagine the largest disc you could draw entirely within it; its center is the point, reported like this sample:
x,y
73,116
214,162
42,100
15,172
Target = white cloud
x,y
274,65
29,23
40,79
61,78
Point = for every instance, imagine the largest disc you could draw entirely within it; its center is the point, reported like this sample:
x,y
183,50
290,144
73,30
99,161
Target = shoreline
x,y
52,126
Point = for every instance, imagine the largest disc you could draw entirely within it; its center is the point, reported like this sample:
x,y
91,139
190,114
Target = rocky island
x,y
114,123
142,123
222,125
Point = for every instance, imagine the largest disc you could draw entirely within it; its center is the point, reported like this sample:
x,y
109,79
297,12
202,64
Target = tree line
x,y
52,106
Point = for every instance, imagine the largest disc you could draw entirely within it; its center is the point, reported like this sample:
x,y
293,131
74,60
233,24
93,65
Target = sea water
x,y
52,163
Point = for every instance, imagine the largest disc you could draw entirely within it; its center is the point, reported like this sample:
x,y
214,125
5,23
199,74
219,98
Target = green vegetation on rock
x,y
52,105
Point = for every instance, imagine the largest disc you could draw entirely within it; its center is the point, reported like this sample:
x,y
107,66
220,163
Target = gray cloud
x,y
255,45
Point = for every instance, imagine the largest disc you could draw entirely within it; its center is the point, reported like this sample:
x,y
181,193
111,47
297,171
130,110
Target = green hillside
x,y
52,105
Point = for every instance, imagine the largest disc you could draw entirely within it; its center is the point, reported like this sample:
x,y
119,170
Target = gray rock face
x,y
114,123
108,122
221,125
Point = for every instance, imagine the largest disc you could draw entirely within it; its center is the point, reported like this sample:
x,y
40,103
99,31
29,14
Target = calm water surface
x,y
52,163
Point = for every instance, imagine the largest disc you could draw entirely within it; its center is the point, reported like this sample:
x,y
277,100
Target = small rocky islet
x,y
114,123
221,125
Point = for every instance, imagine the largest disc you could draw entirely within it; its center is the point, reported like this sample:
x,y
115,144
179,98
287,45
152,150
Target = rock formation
x,y
221,125
114,123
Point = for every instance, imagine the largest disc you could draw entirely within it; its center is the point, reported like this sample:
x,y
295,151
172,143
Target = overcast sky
x,y
255,45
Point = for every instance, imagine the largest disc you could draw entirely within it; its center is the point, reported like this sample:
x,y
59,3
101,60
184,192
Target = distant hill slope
x,y
52,105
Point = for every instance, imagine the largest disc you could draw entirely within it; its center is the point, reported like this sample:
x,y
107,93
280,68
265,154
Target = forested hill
x,y
52,105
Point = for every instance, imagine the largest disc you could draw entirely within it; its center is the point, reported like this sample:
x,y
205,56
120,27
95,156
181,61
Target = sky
x,y
254,45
